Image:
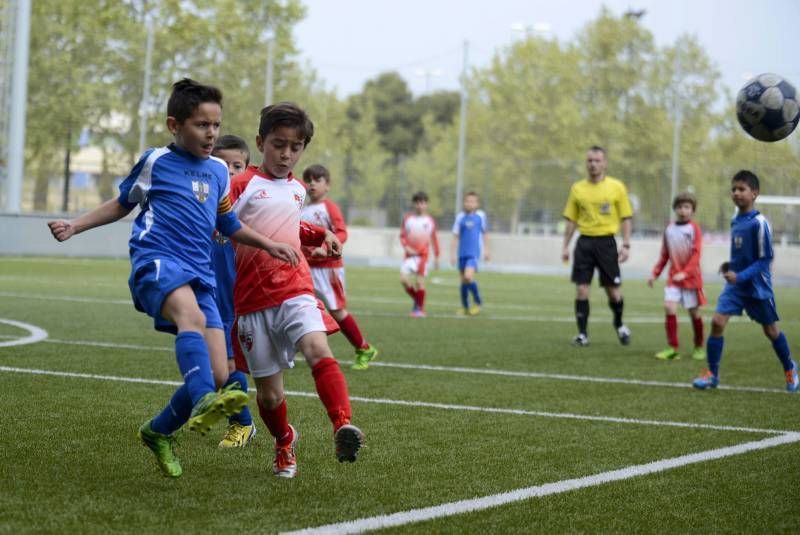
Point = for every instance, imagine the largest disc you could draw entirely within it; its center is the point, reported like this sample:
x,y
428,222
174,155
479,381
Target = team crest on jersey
x,y
605,208
200,189
299,200
737,242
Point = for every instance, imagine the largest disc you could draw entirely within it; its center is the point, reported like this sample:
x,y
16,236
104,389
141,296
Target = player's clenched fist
x,y
61,229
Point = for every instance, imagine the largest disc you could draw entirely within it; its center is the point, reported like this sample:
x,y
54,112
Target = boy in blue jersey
x,y
234,151
183,195
469,240
749,284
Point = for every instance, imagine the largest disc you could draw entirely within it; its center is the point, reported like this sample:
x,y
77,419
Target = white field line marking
x,y
457,369
441,406
601,317
35,334
487,502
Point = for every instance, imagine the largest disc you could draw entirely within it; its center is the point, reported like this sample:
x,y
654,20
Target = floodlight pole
x,y
676,127
462,132
19,97
148,59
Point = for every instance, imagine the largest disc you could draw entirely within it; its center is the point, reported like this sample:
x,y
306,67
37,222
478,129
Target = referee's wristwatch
x,y
626,245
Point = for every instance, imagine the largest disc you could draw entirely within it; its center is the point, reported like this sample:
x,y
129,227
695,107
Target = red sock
x,y
332,389
672,330
697,325
421,299
276,421
351,331
411,291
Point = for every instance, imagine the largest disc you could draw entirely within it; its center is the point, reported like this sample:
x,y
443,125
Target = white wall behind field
x,y
28,235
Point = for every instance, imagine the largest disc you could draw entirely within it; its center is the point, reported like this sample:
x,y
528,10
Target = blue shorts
x,y
467,261
152,282
227,325
762,311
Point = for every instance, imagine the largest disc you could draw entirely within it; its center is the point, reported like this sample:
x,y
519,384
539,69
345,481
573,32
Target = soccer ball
x,y
767,107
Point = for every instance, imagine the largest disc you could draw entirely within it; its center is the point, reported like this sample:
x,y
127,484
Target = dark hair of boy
x,y
420,196
316,171
598,148
229,141
683,197
472,194
187,95
286,114
748,177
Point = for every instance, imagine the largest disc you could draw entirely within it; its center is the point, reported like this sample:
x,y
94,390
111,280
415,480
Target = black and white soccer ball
x,y
768,107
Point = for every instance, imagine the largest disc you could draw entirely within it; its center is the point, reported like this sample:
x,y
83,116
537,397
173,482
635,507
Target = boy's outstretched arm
x,y
108,212
282,251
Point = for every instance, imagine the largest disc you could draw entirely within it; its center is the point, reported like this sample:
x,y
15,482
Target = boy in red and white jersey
x,y
328,271
417,235
277,311
681,247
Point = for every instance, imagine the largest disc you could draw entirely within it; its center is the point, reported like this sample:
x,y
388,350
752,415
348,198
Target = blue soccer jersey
x,y
183,199
470,229
751,255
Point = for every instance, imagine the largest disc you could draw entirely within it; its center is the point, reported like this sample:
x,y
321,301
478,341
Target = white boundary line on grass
x,y
429,405
487,502
35,334
459,369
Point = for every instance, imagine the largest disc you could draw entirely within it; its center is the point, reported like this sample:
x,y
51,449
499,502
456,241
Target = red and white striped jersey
x,y
270,206
681,246
419,233
326,214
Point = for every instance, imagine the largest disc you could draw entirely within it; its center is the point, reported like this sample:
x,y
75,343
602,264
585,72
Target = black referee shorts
x,y
596,252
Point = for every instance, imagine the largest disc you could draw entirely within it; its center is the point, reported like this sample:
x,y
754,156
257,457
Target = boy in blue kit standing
x,y
183,195
234,151
749,284
469,240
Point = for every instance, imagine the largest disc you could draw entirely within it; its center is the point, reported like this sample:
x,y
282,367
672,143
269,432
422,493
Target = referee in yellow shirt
x,y
597,206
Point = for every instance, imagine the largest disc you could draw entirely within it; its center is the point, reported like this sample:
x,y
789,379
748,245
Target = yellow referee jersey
x,y
598,208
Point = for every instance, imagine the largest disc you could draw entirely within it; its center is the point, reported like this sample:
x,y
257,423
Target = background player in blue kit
x,y
749,283
469,241
183,195
234,151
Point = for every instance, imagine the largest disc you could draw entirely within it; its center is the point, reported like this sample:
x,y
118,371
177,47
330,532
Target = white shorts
x,y
686,297
329,286
268,338
415,265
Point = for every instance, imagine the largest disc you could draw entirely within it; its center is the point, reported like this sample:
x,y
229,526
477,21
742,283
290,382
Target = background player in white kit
x,y
681,247
417,235
328,271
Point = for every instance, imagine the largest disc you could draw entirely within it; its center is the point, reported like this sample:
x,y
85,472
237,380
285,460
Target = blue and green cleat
x,y
792,381
706,380
163,447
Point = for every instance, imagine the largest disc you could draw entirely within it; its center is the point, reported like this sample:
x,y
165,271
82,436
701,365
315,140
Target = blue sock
x,y
244,417
191,353
714,353
781,347
465,294
175,414
473,287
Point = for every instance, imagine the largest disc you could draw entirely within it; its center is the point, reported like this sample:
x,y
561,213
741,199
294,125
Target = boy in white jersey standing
x,y
417,235
183,195
328,271
278,313
681,247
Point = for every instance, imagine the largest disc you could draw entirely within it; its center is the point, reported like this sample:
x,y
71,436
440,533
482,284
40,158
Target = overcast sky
x,y
351,41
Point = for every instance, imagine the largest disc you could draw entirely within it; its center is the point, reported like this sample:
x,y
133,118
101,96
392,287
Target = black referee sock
x,y
582,314
616,308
